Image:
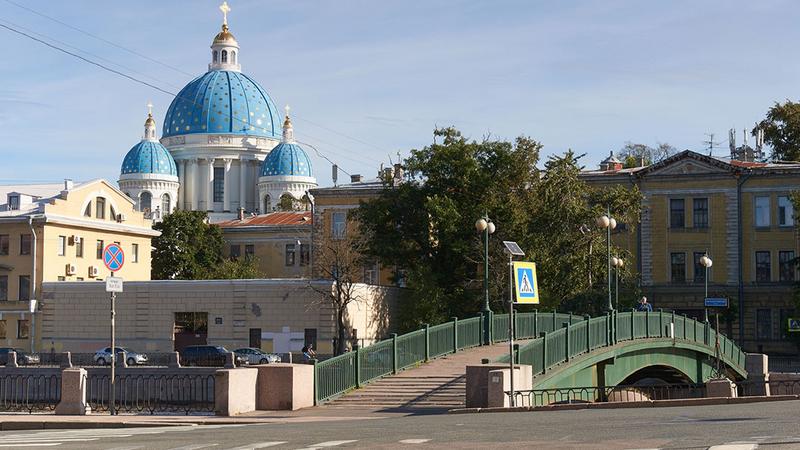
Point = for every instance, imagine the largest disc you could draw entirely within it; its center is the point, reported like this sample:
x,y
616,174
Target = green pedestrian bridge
x,y
564,350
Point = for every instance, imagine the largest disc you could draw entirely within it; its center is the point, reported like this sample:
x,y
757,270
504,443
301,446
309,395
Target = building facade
x,y
59,236
737,213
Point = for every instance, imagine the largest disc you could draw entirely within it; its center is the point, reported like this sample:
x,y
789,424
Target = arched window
x,y
145,202
267,205
100,208
233,57
224,56
215,56
113,215
166,207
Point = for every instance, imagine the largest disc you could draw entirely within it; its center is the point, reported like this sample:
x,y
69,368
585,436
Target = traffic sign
x,y
793,325
526,288
113,257
716,302
113,284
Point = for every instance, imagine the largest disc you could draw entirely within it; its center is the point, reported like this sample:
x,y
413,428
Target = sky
x,y
368,80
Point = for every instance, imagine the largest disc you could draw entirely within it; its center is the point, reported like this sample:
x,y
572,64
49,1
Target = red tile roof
x,y
271,219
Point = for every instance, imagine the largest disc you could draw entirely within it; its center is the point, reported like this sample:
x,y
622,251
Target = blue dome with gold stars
x,y
149,157
225,102
287,159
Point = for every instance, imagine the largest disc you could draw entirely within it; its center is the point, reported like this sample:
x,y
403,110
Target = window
x,y
305,255
145,202
233,57
24,287
762,266
78,247
100,248
135,253
338,225
13,202
215,56
100,208
700,213
678,267
224,56
785,212
786,264
764,324
3,329
62,245
4,244
249,250
112,213
267,204
762,211
25,244
3,287
699,269
166,204
236,251
88,211
400,276
219,182
23,329
289,254
371,273
676,213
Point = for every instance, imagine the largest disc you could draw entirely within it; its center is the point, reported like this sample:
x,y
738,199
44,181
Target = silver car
x,y
256,356
103,356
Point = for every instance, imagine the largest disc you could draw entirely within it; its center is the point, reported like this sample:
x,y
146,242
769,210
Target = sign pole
x,y
114,259
511,326
112,394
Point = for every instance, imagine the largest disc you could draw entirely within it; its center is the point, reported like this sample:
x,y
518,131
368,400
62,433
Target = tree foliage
x,y
189,248
634,155
426,225
236,269
782,131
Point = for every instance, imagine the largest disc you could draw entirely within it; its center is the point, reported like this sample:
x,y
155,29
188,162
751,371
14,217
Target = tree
x,y
237,269
782,131
635,155
340,259
189,248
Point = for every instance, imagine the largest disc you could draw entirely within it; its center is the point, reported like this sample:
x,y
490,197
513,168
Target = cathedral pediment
x,y
688,162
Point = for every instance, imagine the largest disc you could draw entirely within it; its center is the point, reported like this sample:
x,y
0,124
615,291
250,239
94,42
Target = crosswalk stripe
x,y
38,444
194,447
414,441
327,444
738,446
259,445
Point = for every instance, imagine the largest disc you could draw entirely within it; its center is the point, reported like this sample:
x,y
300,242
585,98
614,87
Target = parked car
x,y
132,358
256,356
208,355
23,358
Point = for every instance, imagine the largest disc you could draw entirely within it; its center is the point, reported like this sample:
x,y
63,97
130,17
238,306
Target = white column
x,y
179,202
194,190
210,185
242,183
226,193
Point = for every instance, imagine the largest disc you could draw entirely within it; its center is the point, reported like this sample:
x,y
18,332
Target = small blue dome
x,y
287,159
226,102
149,157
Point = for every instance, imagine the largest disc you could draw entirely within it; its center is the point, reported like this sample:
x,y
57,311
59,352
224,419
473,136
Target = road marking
x,y
737,446
259,445
42,444
194,447
414,441
328,444
130,447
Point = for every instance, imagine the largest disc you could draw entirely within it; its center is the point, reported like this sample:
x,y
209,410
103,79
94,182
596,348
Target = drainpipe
x,y
33,283
740,243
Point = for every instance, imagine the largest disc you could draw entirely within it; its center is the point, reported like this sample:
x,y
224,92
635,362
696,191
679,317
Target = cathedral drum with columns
x,y
221,129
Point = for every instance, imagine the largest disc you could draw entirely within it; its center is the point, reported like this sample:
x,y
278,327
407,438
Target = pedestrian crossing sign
x,y
525,284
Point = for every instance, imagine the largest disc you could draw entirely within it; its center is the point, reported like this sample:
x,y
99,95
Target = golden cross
x,y
225,10
149,108
286,108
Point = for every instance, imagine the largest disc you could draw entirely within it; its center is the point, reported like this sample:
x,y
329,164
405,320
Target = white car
x,y
256,356
103,356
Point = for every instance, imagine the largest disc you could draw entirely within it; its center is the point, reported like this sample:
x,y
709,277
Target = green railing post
x,y
633,324
608,329
661,321
684,327
358,366
543,335
707,334
554,320
455,334
614,319
394,353
673,325
565,325
586,319
316,382
535,323
647,323
427,342
486,327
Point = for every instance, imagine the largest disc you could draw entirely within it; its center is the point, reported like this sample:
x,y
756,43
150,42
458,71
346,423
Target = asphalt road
x,y
773,425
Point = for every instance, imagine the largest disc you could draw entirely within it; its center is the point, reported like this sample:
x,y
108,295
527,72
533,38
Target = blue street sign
x,y
113,257
716,302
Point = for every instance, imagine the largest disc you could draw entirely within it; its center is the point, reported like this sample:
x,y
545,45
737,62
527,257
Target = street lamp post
x,y
617,263
609,223
706,262
486,226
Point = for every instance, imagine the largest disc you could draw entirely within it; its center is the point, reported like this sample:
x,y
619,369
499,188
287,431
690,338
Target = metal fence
x,y
594,394
163,393
749,388
29,392
784,364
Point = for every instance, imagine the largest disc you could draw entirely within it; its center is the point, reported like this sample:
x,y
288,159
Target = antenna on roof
x,y
711,144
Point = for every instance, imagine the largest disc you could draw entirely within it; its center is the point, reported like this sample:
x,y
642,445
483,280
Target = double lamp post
x,y
486,226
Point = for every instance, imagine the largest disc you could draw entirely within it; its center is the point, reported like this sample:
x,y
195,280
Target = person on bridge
x,y
643,305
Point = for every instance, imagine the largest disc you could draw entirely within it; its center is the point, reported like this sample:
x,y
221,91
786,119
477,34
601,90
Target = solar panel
x,y
513,248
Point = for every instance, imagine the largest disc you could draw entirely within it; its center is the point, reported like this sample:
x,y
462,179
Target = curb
x,y
625,405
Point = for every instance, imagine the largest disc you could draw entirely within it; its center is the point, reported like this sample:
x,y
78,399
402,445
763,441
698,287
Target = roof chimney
x,y
241,213
356,178
68,184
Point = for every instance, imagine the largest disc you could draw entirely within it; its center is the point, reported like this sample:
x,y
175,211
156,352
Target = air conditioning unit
x,y
71,269
121,218
74,240
93,272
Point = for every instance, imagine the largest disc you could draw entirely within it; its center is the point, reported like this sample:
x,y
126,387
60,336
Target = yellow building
x,y
740,215
280,241
57,233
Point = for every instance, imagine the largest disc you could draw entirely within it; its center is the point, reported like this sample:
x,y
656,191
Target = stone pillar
x,y
285,387
235,391
478,384
73,393
194,186
499,382
243,183
226,192
757,366
720,387
181,200
210,185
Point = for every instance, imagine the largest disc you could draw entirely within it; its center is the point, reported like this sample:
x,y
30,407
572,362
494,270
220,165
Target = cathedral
x,y
224,147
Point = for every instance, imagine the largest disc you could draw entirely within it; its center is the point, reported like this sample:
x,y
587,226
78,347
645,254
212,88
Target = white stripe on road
x,y
737,446
414,441
328,444
259,445
194,447
43,444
